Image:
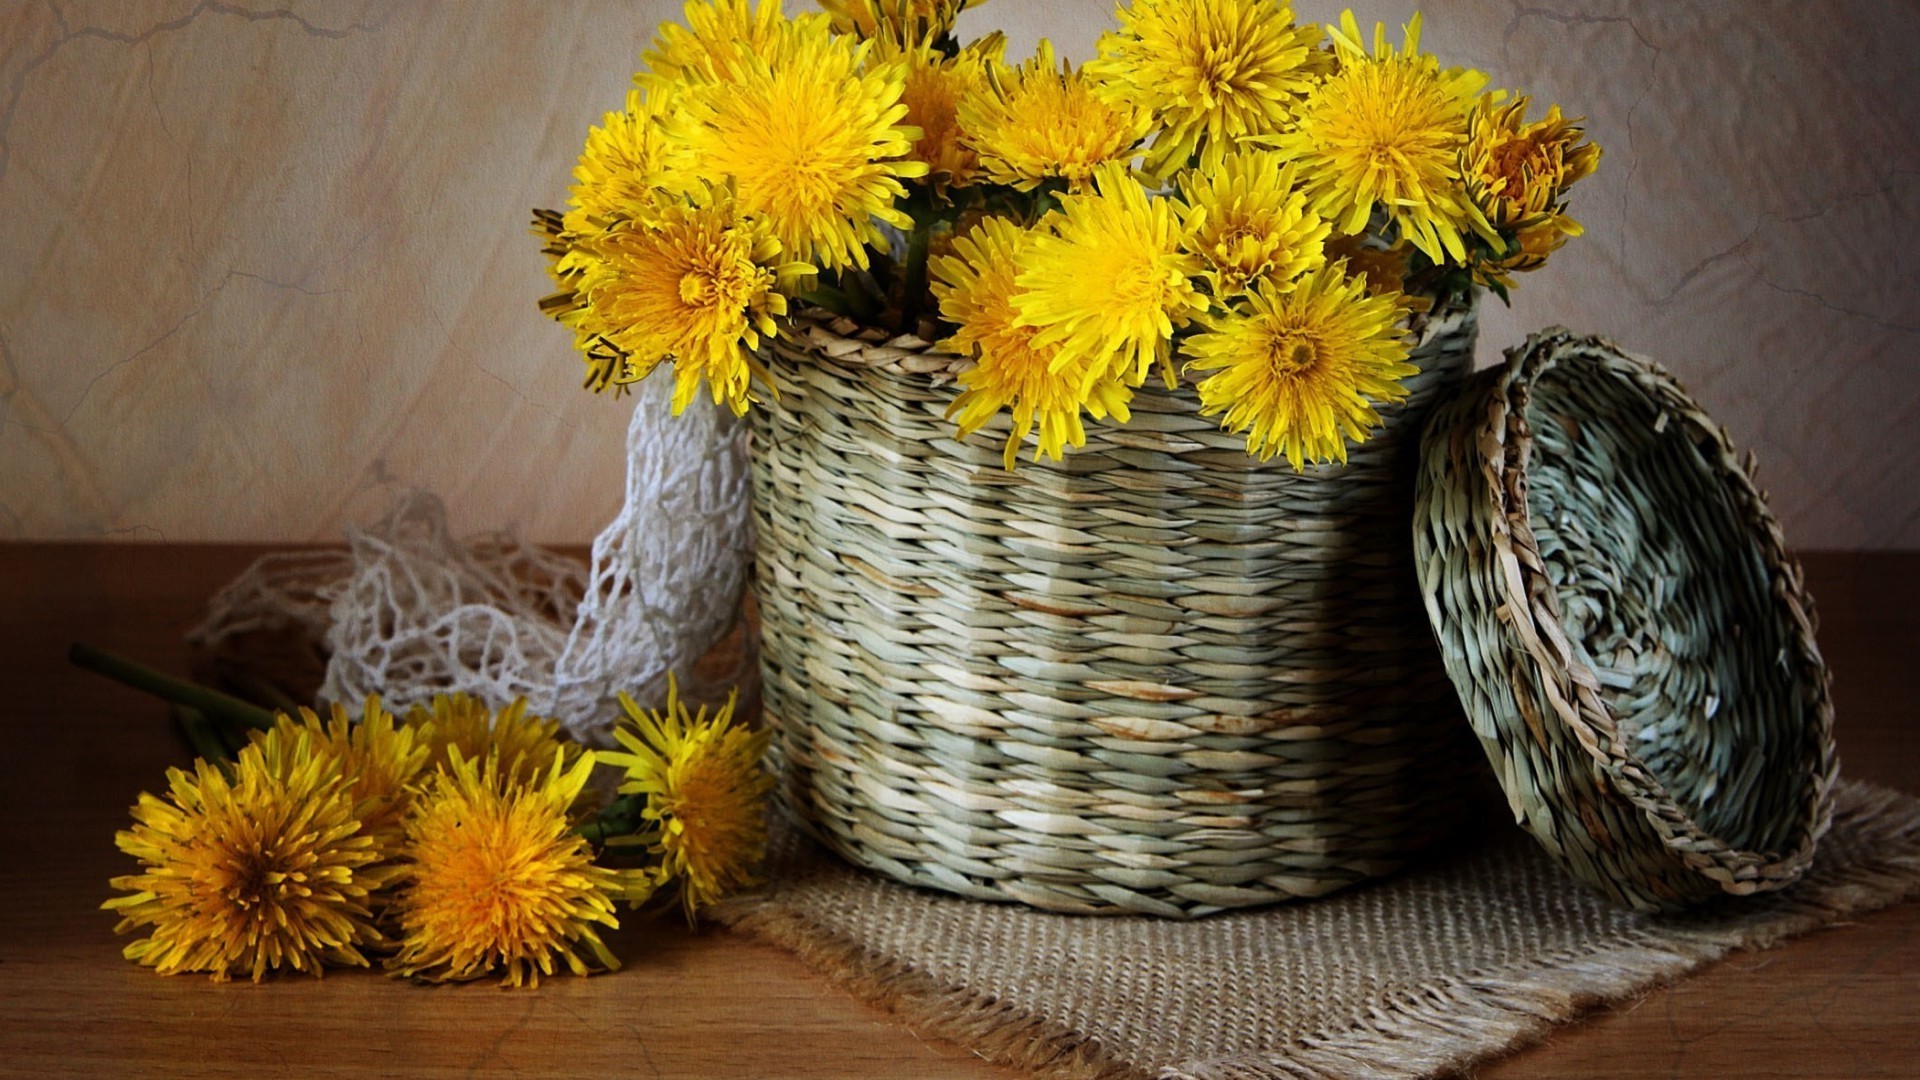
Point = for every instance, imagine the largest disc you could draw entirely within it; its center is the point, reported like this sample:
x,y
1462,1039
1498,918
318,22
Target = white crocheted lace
x,y
408,610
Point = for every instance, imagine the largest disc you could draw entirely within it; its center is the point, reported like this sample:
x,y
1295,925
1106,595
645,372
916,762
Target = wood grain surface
x,y
1844,1002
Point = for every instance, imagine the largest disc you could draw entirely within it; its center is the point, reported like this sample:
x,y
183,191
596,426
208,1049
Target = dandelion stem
x,y
914,288
179,691
259,691
200,734
621,817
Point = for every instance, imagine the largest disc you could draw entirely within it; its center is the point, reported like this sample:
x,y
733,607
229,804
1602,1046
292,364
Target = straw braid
x,y
1618,611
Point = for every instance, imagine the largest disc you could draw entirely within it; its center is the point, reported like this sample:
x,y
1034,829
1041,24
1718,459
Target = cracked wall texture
x,y
260,264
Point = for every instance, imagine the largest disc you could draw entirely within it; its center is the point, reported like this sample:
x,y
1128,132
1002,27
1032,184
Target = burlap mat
x,y
1449,963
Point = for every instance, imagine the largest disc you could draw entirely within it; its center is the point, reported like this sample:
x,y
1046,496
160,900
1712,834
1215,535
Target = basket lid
x,y
1624,626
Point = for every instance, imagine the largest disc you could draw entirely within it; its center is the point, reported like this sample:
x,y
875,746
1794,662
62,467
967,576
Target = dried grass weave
x,y
1619,613
1159,677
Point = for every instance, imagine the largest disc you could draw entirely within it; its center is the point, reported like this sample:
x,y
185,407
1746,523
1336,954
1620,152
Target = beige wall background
x,y
259,265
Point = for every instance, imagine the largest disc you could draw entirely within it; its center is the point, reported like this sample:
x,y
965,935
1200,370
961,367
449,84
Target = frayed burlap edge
x,y
1425,1031
1001,1033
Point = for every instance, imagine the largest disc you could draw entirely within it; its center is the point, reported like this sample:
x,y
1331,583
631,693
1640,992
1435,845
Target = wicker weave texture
x,y
1619,613
1159,677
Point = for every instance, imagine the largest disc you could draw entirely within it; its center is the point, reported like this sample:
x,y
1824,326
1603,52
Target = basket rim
x,y
1535,624
857,344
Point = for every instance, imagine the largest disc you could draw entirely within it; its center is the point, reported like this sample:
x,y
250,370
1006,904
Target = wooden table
x,y
1842,1003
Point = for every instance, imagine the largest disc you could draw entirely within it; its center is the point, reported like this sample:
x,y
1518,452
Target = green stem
x,y
179,691
200,734
621,817
826,296
860,299
261,691
914,289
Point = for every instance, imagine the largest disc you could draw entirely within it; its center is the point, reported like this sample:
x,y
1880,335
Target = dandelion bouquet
x,y
450,843
1222,195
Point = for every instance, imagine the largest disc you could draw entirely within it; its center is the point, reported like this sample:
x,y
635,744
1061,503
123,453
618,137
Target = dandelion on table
x,y
262,870
523,741
494,879
378,758
705,791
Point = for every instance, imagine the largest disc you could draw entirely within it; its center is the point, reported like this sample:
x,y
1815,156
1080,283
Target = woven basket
x,y
1618,612
1159,677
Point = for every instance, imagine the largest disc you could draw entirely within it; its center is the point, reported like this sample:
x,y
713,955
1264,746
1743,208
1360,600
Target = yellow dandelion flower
x,y
1517,174
1111,282
720,40
898,20
811,139
379,759
1300,371
247,874
1382,265
934,87
1528,250
696,284
1248,221
1042,121
494,878
705,791
523,741
1208,71
566,240
625,160
976,289
1385,131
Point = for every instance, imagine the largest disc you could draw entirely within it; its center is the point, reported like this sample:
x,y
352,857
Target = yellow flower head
x,y
934,87
1042,121
494,878
1300,371
976,289
1385,130
625,159
242,875
694,283
567,242
1383,266
1111,281
523,742
1247,220
719,42
379,759
705,791
811,139
1208,71
896,20
1528,250
1518,175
